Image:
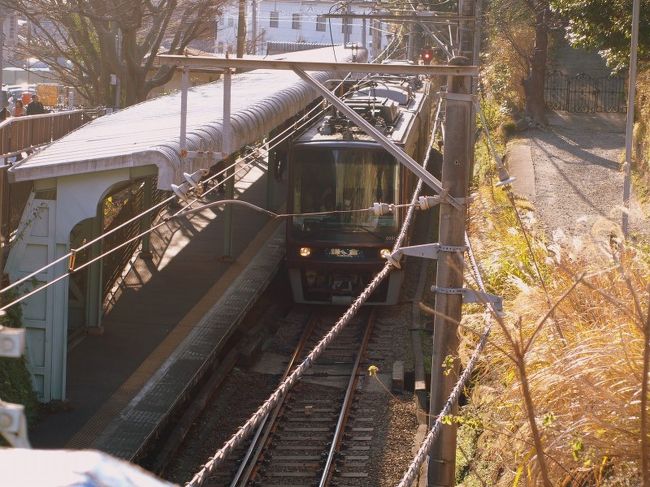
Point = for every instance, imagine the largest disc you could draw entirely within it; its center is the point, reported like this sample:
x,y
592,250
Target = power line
x,y
282,136
278,139
288,131
243,432
70,255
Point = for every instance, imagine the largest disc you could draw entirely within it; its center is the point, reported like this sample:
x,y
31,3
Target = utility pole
x,y
3,172
254,26
410,47
629,124
118,80
466,32
2,48
346,26
241,29
445,365
376,37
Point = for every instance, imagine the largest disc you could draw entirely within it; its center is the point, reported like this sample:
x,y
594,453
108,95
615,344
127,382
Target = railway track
x,y
309,439
323,431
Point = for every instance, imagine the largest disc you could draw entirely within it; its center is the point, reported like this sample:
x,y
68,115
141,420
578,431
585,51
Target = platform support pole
x,y
272,171
230,173
445,365
94,291
185,84
145,222
269,179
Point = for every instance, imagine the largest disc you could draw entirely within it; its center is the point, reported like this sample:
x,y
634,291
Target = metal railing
x,y
20,134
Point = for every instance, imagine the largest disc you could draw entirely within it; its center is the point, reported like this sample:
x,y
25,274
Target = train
x,y
333,166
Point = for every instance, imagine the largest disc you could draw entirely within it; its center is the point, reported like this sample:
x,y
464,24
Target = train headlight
x,y
304,251
384,253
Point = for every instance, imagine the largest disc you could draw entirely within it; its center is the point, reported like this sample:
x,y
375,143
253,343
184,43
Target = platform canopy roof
x,y
149,133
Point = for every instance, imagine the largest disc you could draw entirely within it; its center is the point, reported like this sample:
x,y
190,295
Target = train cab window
x,y
341,181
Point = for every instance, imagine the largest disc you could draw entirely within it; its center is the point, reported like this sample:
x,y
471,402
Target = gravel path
x,y
578,179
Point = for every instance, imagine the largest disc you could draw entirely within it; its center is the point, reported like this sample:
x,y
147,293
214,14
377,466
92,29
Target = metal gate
x,y
584,94
128,202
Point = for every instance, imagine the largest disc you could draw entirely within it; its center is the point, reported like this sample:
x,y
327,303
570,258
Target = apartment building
x,y
296,21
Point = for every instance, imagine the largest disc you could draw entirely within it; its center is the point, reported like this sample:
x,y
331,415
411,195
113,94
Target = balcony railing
x,y
21,134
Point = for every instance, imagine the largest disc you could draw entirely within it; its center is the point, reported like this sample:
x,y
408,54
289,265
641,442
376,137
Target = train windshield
x,y
340,180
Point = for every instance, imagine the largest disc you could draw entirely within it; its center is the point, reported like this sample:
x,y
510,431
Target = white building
x,y
296,21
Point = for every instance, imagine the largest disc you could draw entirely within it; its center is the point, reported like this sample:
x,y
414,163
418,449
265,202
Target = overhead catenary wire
x,y
283,388
72,253
282,136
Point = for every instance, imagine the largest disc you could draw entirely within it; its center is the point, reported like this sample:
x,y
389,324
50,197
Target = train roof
x,y
149,133
376,99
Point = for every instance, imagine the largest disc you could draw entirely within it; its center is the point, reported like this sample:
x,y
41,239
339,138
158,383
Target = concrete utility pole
x,y
466,33
347,27
3,172
629,125
254,26
2,47
376,38
449,274
410,47
118,81
241,29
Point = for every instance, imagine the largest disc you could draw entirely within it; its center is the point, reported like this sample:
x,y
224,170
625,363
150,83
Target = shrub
x,y
15,379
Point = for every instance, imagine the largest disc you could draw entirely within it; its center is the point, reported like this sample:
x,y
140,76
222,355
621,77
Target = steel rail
x,y
347,402
249,462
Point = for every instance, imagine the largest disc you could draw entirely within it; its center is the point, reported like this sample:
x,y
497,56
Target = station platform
x,y
167,316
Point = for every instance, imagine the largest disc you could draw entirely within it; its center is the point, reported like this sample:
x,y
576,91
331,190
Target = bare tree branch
x,y
78,40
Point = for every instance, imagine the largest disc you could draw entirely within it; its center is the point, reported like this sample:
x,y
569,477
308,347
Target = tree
x,y
85,41
606,25
524,25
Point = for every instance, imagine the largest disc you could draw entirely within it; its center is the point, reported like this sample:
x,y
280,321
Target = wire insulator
x,y
427,202
380,209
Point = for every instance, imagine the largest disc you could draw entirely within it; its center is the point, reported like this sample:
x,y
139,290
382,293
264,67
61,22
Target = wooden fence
x,y
19,134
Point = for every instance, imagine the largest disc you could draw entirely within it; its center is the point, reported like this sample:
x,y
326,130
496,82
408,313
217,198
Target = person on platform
x,y
19,109
35,107
4,114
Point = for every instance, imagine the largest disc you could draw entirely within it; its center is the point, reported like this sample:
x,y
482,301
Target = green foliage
x,y
448,364
577,447
509,265
510,25
548,420
15,380
606,25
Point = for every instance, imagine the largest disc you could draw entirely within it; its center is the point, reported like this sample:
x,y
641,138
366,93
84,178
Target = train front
x,y
336,246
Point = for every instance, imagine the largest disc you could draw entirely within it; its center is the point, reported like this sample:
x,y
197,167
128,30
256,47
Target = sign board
x,y
48,94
